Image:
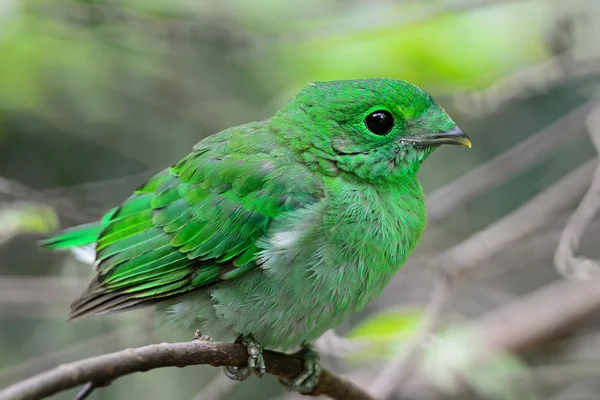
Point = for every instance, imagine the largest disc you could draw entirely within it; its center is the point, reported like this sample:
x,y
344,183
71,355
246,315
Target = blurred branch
x,y
81,203
447,199
565,374
526,82
392,17
516,327
566,263
39,290
103,369
331,344
525,220
539,316
92,199
533,250
13,191
576,391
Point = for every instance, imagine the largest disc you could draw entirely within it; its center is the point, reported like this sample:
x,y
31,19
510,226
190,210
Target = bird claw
x,y
255,363
236,373
201,337
306,381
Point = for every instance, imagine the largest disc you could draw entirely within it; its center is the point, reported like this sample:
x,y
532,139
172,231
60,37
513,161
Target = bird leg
x,y
306,381
256,362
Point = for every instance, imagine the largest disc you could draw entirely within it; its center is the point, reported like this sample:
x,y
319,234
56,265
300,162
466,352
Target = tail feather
x,y
78,236
74,237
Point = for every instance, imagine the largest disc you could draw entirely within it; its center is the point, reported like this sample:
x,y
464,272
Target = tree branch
x,y
539,316
567,264
105,368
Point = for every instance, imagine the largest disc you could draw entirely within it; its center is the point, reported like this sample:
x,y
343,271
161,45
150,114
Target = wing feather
x,y
192,225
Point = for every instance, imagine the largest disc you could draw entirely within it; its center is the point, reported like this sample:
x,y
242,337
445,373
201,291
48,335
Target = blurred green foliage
x,y
388,333
91,53
22,218
442,52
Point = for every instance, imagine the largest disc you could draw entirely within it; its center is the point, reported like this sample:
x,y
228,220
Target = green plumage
x,y
78,236
278,228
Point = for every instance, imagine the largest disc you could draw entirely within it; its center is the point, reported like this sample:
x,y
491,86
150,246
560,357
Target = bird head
x,y
371,129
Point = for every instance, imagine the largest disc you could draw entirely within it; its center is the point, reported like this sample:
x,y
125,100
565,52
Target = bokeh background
x,y
96,95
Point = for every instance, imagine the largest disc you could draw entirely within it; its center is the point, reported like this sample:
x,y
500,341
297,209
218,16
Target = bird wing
x,y
192,225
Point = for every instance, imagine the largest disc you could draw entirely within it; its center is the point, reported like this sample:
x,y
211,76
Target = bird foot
x,y
201,337
306,381
256,362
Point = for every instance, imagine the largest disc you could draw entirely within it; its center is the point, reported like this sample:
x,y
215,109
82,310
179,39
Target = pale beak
x,y
453,136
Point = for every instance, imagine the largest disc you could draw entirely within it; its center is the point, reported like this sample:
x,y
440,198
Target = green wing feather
x,y
78,236
190,226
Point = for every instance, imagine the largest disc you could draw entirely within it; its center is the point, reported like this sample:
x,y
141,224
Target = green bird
x,y
275,231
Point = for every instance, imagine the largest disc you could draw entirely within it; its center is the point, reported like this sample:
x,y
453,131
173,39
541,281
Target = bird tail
x,y
78,236
74,237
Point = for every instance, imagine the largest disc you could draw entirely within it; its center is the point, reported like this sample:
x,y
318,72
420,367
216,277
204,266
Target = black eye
x,y
380,122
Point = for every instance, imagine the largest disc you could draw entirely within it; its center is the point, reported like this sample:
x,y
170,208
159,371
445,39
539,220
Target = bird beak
x,y
453,136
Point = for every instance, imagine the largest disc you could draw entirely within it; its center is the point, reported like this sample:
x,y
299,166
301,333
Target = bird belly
x,y
315,269
278,313
281,309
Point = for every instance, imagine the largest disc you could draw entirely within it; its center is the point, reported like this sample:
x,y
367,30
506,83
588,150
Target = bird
x,y
273,232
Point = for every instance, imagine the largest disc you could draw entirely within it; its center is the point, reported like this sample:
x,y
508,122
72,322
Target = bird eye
x,y
380,122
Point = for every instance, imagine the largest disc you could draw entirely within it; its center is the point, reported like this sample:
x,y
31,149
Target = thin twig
x,y
108,367
565,260
85,392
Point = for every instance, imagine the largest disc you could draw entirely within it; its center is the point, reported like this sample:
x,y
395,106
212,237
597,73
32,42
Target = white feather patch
x,y
85,254
285,238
